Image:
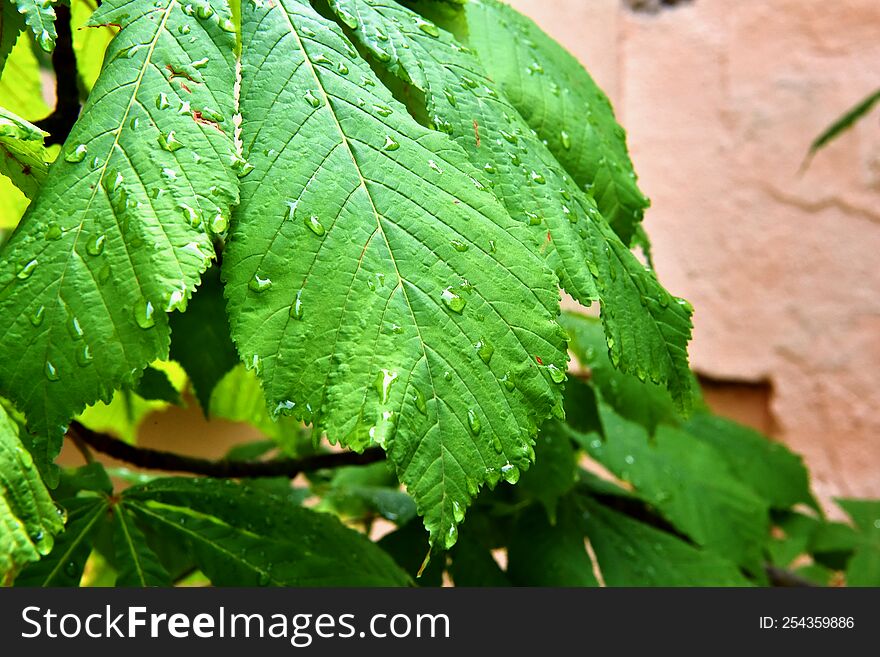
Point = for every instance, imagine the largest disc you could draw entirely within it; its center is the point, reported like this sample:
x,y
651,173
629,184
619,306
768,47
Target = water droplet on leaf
x,y
27,270
453,300
95,247
53,232
474,422
312,99
77,154
485,349
259,284
50,371
296,308
169,142
144,314
314,224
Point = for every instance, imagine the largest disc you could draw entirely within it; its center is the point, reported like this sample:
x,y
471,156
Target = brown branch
x,y
59,123
153,459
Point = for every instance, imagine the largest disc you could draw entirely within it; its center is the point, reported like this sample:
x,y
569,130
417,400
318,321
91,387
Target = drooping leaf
x,y
769,468
23,157
63,566
154,385
82,299
631,553
554,472
89,42
845,122
200,339
640,401
687,481
136,563
11,25
28,517
357,492
647,329
373,278
20,93
541,554
560,100
39,15
246,537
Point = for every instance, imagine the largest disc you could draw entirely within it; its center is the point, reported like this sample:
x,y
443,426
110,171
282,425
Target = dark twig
x,y
59,123
80,445
783,577
153,459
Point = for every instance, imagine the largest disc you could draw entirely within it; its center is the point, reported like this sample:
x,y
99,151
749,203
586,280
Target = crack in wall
x,y
653,6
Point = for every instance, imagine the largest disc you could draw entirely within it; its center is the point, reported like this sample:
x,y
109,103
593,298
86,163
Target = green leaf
x,y
11,25
472,565
541,554
21,88
64,565
200,339
791,537
156,386
863,568
39,15
769,468
89,42
648,330
246,537
28,517
136,563
554,472
23,157
411,295
409,547
631,553
358,492
687,481
82,299
560,100
90,477
642,402
845,122
124,414
238,397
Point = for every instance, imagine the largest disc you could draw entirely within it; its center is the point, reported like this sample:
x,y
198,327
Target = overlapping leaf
x,y
241,536
647,329
631,553
374,280
64,565
687,481
23,157
118,233
560,100
39,15
11,25
28,517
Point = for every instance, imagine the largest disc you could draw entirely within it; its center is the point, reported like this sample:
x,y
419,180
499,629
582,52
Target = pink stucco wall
x,y
721,100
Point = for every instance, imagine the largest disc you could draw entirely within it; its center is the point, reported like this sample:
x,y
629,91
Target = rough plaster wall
x,y
721,100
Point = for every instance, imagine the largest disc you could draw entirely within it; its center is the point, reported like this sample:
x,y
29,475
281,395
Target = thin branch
x,y
81,446
783,577
59,123
153,459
